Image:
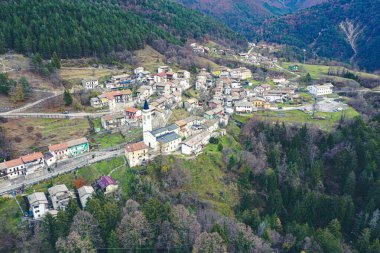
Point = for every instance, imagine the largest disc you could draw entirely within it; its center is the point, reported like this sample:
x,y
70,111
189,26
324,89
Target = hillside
x,y
75,28
321,29
244,15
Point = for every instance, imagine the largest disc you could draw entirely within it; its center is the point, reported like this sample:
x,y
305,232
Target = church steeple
x,y
147,118
146,105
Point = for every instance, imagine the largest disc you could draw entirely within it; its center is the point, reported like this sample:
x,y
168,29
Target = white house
x,y
138,70
12,168
85,192
243,107
33,162
60,196
321,90
50,159
90,83
38,204
195,143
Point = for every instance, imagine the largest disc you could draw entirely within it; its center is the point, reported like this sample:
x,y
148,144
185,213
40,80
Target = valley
x,y
156,126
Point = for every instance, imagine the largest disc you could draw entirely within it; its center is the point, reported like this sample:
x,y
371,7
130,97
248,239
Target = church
x,y
164,139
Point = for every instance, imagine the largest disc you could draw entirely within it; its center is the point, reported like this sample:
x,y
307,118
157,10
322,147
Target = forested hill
x,y
244,15
319,28
75,28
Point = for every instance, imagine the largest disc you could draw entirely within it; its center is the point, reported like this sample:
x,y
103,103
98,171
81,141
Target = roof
x,y
157,131
84,190
132,147
120,76
146,105
196,139
13,163
113,116
181,123
32,157
37,197
48,155
89,79
169,137
57,188
131,109
161,74
105,181
57,147
243,103
110,95
77,142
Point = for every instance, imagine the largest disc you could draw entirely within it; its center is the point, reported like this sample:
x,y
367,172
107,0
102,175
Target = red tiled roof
x,y
110,95
13,163
132,110
58,147
162,74
135,146
32,157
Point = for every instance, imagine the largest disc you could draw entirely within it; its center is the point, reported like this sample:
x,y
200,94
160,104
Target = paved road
x,y
23,108
63,168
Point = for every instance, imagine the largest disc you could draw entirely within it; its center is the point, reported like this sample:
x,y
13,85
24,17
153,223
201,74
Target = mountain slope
x,y
75,28
244,15
342,29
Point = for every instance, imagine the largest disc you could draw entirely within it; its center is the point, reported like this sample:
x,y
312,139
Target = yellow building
x,y
136,153
260,103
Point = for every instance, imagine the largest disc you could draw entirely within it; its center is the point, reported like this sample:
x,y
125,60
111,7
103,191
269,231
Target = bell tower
x,y
147,118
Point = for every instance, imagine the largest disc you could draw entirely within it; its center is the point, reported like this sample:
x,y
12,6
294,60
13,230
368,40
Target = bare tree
x,y
87,227
209,243
134,231
75,243
186,224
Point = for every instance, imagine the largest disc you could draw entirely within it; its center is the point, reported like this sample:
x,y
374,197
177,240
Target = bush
x,y
214,140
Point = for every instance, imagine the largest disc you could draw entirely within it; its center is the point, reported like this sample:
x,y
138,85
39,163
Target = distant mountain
x,y
76,28
244,15
347,30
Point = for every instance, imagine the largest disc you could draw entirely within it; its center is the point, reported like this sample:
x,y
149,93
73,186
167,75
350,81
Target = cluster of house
x,y
189,136
163,90
202,50
164,82
60,196
31,163
258,59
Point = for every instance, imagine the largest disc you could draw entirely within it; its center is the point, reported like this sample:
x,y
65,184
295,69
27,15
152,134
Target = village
x,y
145,101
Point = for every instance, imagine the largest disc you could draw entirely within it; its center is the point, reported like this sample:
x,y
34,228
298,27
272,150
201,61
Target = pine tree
x,y
56,61
67,98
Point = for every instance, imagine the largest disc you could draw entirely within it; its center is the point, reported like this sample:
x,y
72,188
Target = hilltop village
x,y
173,111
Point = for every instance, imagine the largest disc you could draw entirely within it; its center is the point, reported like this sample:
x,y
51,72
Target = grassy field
x,y
75,75
208,181
31,134
108,140
298,117
10,213
178,114
150,59
318,71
